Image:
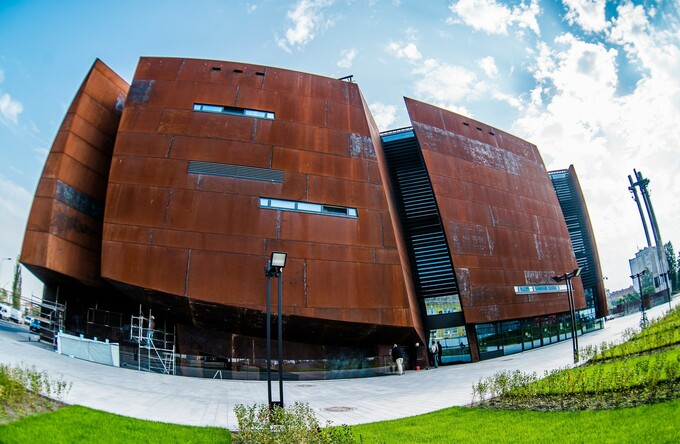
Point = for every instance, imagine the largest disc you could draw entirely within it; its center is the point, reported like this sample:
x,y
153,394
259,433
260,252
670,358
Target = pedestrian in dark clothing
x,y
439,352
433,355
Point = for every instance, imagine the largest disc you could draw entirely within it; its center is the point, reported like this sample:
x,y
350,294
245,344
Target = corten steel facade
x,y
217,164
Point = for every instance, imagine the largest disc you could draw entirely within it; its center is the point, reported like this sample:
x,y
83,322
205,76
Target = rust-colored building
x,y
174,202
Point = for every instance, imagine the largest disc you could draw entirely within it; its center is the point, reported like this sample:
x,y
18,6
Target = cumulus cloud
x,y
384,115
10,108
493,17
488,65
307,19
408,51
447,85
588,14
347,58
577,114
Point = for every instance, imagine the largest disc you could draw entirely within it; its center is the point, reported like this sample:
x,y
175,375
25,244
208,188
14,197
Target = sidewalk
x,y
210,402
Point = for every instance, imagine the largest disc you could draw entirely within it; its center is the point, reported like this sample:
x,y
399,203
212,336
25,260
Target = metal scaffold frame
x,y
155,347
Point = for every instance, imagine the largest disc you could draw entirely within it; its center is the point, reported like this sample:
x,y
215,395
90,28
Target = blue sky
x,y
591,83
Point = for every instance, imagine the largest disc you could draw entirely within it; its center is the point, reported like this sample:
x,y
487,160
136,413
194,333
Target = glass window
x,y
306,207
454,343
442,305
487,337
334,210
284,204
233,111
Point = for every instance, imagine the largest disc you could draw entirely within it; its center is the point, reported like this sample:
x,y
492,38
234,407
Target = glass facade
x,y
508,337
455,346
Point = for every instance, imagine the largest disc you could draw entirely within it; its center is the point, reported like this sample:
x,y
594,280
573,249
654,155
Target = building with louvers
x,y
168,195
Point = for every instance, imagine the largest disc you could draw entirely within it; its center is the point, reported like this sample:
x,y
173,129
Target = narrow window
x,y
234,111
307,207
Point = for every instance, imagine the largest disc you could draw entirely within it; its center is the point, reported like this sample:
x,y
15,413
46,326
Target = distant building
x,y
648,259
171,193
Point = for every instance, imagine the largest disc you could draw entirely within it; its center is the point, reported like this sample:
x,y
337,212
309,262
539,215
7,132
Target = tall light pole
x,y
643,315
273,269
574,337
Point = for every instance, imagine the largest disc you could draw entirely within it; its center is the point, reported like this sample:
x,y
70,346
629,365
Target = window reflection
x,y
442,305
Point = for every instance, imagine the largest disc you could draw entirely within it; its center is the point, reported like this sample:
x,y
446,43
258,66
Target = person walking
x,y
398,358
439,352
434,350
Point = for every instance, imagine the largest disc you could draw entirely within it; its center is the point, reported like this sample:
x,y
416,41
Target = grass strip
x,y
75,424
651,423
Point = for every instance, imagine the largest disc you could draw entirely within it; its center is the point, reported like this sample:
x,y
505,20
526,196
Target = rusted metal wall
x,y
206,238
500,213
63,233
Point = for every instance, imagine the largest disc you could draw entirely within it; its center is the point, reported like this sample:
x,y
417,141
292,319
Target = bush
x,y
295,424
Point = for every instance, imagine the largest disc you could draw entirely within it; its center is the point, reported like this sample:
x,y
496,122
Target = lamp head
x,y
278,259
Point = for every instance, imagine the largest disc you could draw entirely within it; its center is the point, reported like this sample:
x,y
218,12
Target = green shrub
x,y
296,424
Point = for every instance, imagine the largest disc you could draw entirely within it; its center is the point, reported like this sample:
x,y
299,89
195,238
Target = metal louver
x,y
237,171
425,239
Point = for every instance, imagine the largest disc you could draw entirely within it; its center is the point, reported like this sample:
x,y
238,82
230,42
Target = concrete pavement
x,y
210,402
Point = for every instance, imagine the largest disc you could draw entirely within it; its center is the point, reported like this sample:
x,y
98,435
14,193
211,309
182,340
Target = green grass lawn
x,y
658,423
76,424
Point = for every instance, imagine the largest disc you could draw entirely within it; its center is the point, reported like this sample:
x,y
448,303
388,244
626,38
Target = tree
x,y
16,286
672,264
647,283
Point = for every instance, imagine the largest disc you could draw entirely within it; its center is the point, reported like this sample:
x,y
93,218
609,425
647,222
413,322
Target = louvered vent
x,y
237,171
425,239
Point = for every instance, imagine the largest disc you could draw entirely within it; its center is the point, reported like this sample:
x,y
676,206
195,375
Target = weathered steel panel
x,y
64,230
506,211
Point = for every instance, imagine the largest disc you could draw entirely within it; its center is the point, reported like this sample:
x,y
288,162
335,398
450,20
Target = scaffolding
x,y
155,347
51,317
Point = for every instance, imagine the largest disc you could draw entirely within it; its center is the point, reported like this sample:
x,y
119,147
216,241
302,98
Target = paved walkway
x,y
210,402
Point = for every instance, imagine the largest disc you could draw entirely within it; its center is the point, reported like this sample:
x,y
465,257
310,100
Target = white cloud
x,y
408,51
251,8
384,115
493,17
447,85
488,65
577,115
657,51
10,108
588,14
307,19
347,58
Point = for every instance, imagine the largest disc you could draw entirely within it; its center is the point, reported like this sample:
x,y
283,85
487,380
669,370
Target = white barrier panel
x,y
88,349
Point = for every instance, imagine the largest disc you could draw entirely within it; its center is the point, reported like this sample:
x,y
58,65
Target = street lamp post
x,y
643,315
570,295
273,269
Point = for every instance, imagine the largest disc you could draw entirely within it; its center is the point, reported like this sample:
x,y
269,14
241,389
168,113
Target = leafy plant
x,y
296,424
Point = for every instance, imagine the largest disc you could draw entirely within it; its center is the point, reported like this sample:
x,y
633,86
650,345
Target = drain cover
x,y
339,409
305,385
